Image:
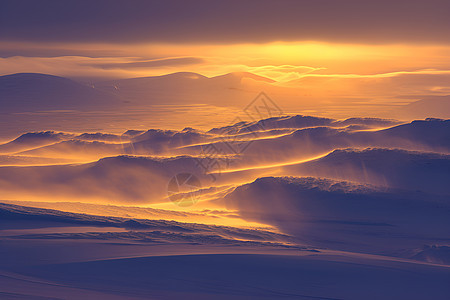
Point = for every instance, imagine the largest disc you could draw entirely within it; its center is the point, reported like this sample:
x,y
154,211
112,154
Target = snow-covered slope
x,y
73,256
121,179
345,216
409,170
32,140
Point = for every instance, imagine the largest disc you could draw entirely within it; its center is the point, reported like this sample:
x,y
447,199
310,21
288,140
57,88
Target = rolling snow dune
x,y
203,216
139,179
270,140
299,122
409,170
22,160
148,259
98,136
121,179
163,141
366,214
143,230
77,148
343,215
430,135
32,140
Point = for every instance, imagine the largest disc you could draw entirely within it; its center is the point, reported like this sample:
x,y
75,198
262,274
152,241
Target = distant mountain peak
x,y
31,75
179,75
241,75
186,75
37,92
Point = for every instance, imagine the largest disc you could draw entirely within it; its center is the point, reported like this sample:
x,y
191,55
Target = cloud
x,y
72,66
179,61
94,67
226,21
382,75
390,87
284,72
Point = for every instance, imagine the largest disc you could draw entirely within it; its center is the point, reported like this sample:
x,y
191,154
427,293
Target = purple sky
x,y
226,21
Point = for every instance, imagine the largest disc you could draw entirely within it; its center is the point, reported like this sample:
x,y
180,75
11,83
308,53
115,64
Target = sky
x,y
352,43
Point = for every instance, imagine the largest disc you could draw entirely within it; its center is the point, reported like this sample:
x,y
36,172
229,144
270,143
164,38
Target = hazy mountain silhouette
x,y
185,87
27,92
430,106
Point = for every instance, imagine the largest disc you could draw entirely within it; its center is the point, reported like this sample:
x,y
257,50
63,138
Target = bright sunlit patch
x,y
277,165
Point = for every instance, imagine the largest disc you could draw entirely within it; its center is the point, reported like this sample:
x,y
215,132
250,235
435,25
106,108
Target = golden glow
x,y
306,72
279,60
219,217
277,165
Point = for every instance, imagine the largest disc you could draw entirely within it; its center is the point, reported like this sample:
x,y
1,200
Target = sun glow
x,y
281,61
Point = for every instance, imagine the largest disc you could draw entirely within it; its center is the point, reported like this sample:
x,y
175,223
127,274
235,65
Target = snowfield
x,y
312,208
